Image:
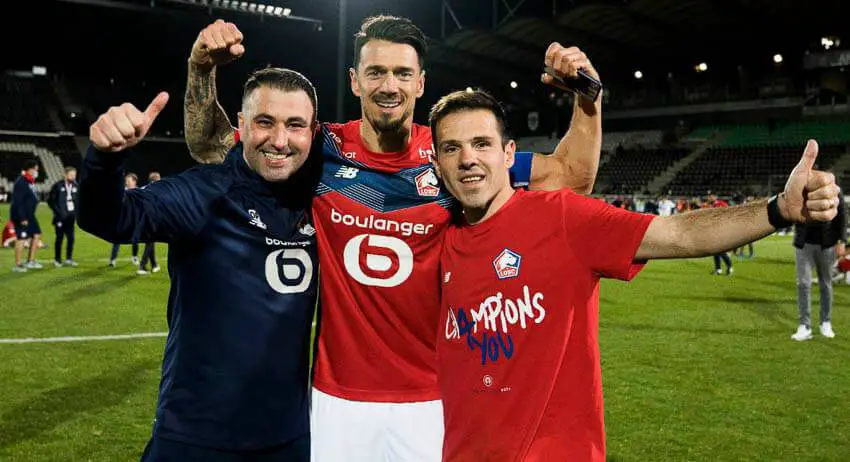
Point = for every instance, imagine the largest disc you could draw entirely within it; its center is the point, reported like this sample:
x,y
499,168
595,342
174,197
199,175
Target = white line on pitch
x,y
83,338
86,338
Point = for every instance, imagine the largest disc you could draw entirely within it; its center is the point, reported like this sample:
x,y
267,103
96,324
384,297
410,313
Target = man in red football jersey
x,y
380,214
518,354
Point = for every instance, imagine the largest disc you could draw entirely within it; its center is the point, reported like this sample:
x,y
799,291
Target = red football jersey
x,y
381,218
518,353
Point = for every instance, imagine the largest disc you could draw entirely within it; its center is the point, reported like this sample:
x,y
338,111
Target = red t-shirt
x,y
518,350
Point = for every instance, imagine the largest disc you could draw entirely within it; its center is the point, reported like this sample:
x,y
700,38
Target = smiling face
x,y
276,131
473,161
388,79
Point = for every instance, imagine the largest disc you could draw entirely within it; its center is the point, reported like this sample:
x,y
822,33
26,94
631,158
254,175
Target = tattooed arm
x,y
209,134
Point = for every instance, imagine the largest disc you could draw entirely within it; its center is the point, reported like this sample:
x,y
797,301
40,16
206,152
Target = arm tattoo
x,y
209,134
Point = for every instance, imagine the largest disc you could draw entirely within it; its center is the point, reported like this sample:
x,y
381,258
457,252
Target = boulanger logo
x,y
506,264
405,228
289,271
389,260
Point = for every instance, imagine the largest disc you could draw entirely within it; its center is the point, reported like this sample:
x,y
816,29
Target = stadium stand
x,y
745,169
629,170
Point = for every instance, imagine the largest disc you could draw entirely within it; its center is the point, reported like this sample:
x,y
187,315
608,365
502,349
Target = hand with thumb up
x,y
810,195
124,126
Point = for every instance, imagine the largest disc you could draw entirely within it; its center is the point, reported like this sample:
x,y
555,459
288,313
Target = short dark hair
x,y
30,163
392,29
284,80
465,100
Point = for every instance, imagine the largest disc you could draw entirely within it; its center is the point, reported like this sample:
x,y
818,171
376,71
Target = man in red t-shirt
x,y
518,354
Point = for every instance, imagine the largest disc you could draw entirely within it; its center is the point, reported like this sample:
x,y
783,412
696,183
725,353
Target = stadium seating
x,y
748,170
629,170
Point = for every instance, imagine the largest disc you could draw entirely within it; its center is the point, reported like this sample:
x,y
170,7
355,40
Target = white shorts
x,y
358,431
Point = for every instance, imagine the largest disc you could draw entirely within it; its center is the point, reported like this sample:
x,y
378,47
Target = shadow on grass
x,y
53,407
101,287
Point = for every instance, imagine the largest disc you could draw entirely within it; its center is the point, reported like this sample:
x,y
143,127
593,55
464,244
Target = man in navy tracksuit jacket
x,y
22,214
64,204
244,272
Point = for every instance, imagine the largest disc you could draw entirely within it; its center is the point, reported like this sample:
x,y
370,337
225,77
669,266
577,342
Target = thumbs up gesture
x,y
810,195
124,126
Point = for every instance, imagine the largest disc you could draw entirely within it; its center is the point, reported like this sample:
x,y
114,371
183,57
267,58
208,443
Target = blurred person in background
x,y
666,207
22,213
130,182
714,202
149,254
818,244
63,201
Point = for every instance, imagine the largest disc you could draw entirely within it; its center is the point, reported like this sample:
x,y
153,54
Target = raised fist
x,y
219,43
123,126
566,62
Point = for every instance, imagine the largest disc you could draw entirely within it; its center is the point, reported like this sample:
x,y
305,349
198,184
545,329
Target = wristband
x,y
774,216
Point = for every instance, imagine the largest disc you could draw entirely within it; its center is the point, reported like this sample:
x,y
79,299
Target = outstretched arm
x,y
809,196
209,134
575,161
162,212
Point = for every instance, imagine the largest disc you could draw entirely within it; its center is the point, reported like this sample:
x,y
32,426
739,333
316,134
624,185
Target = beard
x,y
384,124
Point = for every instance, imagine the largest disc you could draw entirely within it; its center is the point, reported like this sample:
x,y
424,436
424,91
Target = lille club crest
x,y
506,264
427,184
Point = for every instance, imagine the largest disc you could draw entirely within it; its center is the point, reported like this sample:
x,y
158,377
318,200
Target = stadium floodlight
x,y
469,89
827,42
278,11
252,7
777,58
638,75
243,6
225,3
514,84
287,11
269,9
701,67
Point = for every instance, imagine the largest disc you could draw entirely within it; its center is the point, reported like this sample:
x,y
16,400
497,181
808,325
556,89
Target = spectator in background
x,y
149,254
751,250
714,202
130,182
666,207
22,213
64,203
9,234
817,245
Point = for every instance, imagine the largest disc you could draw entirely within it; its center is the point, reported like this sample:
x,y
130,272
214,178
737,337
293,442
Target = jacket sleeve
x,y
53,199
167,210
16,212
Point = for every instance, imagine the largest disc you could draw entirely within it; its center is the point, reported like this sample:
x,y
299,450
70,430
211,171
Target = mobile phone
x,y
584,84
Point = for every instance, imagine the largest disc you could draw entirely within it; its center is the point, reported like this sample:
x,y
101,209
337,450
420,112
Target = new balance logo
x,y
255,219
349,173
